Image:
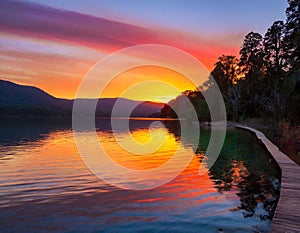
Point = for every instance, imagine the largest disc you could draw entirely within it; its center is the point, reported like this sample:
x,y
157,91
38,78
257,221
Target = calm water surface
x,y
46,187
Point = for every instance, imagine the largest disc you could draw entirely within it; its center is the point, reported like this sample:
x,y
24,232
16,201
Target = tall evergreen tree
x,y
274,49
292,38
252,53
252,65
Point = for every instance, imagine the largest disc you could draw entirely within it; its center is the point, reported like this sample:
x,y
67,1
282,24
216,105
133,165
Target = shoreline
x,y
288,141
286,217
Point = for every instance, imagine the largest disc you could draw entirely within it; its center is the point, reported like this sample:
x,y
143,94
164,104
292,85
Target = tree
x,y
274,50
252,66
273,99
226,74
252,53
226,71
292,38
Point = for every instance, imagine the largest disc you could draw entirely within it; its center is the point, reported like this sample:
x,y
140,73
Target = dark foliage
x,y
265,80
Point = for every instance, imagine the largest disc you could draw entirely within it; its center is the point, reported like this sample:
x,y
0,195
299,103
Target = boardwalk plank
x,y
287,214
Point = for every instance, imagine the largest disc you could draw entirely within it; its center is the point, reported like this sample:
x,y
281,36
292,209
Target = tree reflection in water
x,y
258,194
243,166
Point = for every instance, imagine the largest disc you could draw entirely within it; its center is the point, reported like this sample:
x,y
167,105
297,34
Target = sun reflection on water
x,y
47,174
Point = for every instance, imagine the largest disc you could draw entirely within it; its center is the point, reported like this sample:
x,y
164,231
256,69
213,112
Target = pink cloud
x,y
29,19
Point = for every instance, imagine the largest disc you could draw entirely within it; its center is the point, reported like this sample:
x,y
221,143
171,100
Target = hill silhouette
x,y
18,100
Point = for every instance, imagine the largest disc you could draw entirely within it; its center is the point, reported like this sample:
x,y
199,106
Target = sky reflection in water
x,y
45,186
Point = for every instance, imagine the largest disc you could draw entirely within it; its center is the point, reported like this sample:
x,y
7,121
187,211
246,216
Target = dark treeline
x,y
264,81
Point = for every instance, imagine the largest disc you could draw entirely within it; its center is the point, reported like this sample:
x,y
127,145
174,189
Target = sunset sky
x,y
52,44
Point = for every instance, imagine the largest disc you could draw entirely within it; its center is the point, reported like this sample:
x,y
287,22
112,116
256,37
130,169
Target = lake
x,y
46,187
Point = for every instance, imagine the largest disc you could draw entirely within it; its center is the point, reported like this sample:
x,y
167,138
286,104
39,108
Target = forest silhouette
x,y
264,81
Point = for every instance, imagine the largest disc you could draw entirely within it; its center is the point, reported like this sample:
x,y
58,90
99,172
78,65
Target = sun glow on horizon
x,y
148,83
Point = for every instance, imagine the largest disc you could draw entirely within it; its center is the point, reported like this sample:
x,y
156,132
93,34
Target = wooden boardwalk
x,y
287,214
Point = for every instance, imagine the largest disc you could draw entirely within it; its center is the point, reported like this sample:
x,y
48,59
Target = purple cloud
x,y
35,20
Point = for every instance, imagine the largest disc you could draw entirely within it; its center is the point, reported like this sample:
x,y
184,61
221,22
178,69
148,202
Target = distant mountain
x,y
19,100
11,93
